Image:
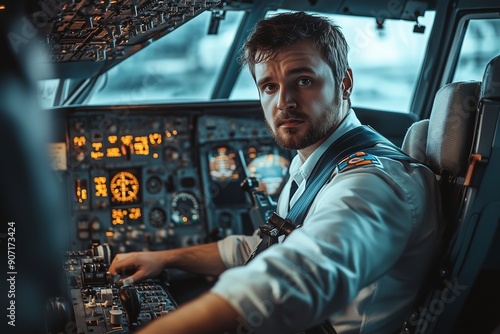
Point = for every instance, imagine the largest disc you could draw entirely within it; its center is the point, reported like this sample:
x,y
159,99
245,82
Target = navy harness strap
x,y
361,138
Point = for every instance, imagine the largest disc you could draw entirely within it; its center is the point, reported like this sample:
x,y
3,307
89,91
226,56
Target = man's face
x,y
301,104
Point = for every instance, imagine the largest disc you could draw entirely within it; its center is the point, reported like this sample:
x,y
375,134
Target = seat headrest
x,y
451,127
490,89
415,140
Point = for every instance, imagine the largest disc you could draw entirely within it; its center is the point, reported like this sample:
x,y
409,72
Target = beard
x,y
319,129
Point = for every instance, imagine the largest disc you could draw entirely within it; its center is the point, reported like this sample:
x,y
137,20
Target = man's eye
x,y
306,82
269,88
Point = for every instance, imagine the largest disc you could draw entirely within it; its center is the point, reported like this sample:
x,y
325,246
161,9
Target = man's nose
x,y
286,100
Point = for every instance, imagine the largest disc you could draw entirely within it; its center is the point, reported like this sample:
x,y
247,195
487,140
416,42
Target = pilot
x,y
368,237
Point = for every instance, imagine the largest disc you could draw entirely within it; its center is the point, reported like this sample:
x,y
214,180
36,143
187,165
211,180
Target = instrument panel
x,y
152,178
235,148
133,181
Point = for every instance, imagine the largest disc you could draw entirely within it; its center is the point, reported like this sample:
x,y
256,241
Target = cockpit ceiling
x,y
109,29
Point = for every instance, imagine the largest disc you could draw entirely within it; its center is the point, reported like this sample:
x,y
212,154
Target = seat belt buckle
x,y
269,230
283,226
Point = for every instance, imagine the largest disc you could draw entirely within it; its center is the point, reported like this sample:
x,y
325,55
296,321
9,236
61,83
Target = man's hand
x,y
145,264
201,259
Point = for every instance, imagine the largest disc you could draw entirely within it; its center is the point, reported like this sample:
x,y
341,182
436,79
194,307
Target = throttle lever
x,y
131,302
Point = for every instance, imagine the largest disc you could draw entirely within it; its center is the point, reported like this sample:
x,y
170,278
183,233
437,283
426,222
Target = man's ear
x,y
347,84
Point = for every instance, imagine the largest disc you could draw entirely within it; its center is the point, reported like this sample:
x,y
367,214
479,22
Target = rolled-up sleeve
x,y
235,249
355,231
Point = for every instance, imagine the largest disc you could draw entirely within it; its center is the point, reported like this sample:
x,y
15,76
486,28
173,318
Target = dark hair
x,y
277,32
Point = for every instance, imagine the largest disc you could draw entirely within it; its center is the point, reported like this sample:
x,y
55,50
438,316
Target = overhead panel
x,y
109,29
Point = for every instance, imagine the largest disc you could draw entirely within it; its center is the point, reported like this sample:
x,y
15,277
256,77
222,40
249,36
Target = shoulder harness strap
x,y
362,138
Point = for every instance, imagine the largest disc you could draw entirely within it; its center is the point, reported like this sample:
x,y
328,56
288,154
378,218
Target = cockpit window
x,y
47,90
480,45
183,65
385,60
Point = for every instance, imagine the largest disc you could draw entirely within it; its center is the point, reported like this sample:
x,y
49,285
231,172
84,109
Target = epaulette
x,y
355,160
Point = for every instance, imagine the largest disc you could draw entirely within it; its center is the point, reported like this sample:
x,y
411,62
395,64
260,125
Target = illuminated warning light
x,y
100,186
96,155
97,146
155,155
109,233
141,145
112,139
135,213
79,141
155,138
118,217
113,152
126,140
81,191
82,195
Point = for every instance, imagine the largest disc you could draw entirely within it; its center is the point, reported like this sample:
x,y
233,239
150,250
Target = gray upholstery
x,y
451,127
415,140
447,135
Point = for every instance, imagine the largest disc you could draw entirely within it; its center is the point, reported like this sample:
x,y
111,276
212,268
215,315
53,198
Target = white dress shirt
x,y
358,260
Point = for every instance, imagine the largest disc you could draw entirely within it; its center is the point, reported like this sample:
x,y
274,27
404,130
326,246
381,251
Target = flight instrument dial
x,y
185,208
124,187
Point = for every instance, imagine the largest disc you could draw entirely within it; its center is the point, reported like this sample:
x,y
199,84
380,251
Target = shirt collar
x,y
301,171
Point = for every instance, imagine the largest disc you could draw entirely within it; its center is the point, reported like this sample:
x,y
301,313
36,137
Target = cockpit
x,y
156,140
